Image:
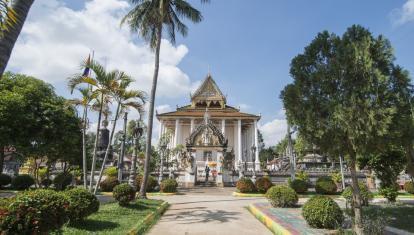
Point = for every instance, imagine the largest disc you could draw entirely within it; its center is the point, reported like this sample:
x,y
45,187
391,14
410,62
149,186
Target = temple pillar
x,y
256,143
239,141
223,127
177,130
191,126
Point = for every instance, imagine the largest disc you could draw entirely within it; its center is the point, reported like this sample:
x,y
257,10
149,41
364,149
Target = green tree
x,y
150,18
342,98
21,9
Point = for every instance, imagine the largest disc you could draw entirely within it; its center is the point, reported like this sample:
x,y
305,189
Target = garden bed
x,y
148,194
113,219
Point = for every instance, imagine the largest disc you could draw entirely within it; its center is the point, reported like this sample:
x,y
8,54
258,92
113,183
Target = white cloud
x,y
274,131
404,14
55,40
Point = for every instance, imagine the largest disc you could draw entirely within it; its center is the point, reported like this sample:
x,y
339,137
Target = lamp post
x,y
138,131
254,160
163,149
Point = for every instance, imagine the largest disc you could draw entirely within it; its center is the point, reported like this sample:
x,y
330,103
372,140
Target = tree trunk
x,y
410,159
85,168
1,158
133,172
356,196
143,190
107,149
95,149
21,7
121,157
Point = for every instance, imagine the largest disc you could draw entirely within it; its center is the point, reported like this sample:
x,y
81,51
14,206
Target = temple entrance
x,y
207,167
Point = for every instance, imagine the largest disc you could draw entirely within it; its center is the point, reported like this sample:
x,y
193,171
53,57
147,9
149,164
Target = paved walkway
x,y
208,211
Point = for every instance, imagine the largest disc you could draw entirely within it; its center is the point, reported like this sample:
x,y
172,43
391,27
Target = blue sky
x,y
248,46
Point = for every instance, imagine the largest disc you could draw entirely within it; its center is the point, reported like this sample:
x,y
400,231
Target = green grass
x,y
401,216
400,195
113,219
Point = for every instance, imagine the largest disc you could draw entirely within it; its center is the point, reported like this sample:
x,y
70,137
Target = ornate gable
x,y
208,95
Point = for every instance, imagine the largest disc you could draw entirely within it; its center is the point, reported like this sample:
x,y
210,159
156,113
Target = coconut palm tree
x,y
149,18
125,99
21,9
102,84
88,95
7,16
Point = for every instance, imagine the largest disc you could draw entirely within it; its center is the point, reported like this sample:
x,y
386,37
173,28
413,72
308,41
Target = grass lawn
x,y
400,216
400,195
113,219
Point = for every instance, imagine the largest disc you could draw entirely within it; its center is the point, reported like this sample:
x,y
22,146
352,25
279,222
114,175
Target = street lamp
x,y
254,161
163,149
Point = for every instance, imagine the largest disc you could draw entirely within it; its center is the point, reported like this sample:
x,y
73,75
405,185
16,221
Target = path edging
x,y
268,222
237,194
149,220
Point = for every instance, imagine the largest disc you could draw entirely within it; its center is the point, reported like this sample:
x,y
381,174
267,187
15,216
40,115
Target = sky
x,y
246,45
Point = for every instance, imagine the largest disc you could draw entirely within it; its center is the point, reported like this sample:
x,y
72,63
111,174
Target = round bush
x,y
22,182
299,186
282,196
82,203
322,212
409,187
366,195
124,194
109,184
111,171
263,184
325,185
35,212
152,183
245,185
169,186
4,180
62,180
390,193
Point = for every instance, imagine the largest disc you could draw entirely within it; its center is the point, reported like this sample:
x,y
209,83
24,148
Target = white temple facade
x,y
213,134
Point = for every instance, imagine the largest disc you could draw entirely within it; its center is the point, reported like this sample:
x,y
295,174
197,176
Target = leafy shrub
x,y
46,182
35,212
302,175
169,186
42,173
322,212
299,186
22,182
336,177
325,185
4,180
282,196
152,183
390,193
408,187
111,171
374,220
124,194
109,184
82,203
263,184
62,180
245,185
366,195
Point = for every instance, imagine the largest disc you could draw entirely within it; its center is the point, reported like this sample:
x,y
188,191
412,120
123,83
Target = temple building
x,y
213,134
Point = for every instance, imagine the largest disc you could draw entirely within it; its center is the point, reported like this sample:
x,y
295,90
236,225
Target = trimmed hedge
x,y
282,196
22,182
169,186
124,194
322,212
245,185
263,184
409,187
300,186
4,180
152,183
34,212
366,195
62,180
325,185
109,184
82,203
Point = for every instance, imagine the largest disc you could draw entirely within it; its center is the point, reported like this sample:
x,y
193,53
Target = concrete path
x,y
208,211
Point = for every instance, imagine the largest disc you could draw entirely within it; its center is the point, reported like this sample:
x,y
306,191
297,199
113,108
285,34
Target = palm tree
x,y
125,99
149,18
21,9
88,95
102,84
137,129
7,16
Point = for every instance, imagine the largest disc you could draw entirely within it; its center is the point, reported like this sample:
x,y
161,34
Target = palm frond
x,y
8,17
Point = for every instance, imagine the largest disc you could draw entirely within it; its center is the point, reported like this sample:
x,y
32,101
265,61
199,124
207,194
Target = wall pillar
x,y
223,127
239,141
256,143
177,130
191,126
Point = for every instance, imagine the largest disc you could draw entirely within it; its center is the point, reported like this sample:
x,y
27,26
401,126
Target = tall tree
x,y
150,18
21,9
102,84
125,99
342,98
